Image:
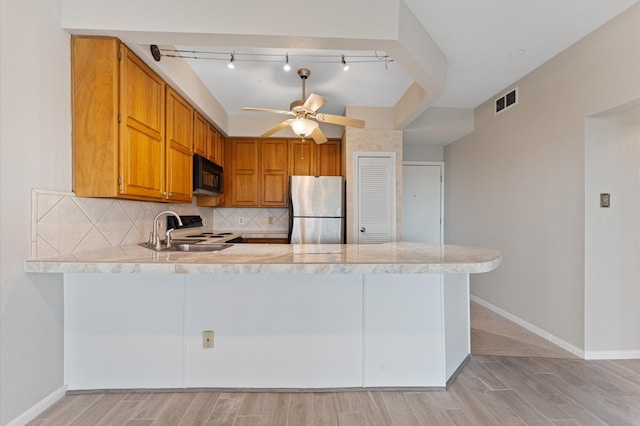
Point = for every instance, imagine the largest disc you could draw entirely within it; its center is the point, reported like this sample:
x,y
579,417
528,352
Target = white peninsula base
x,y
351,330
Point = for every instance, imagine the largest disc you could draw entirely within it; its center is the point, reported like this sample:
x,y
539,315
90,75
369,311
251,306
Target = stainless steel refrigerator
x,y
316,210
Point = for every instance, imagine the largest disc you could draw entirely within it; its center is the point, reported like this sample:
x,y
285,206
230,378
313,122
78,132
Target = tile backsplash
x,y
256,220
63,223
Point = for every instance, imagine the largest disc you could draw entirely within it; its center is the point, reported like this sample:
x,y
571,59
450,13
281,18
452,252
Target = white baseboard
x,y
612,355
37,409
532,328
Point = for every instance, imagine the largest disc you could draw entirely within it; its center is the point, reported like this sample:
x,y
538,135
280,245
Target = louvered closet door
x,y
376,200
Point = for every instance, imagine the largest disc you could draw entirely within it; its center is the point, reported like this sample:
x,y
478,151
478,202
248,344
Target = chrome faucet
x,y
154,238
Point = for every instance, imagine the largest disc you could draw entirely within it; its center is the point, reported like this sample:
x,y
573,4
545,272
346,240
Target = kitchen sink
x,y
187,245
202,247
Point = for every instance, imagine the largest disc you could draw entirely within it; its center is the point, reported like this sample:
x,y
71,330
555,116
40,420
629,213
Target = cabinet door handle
x,y
363,229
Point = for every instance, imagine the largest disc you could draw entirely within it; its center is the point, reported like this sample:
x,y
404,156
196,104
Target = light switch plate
x,y
605,200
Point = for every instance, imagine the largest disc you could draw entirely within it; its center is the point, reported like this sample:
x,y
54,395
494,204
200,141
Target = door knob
x,y
363,229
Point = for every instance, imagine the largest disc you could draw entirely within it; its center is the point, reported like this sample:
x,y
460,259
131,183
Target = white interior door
x,y
375,204
422,202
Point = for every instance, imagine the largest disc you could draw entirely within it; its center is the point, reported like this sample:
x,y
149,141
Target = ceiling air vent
x,y
507,100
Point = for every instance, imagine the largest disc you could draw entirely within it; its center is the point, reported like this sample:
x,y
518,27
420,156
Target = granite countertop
x,y
391,258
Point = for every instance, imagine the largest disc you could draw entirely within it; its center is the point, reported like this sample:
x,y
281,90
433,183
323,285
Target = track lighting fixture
x,y
232,57
345,66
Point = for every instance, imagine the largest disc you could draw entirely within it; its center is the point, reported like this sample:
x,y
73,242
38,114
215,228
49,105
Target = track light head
x,y
345,66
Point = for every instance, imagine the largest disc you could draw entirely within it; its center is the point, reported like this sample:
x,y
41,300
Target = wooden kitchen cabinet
x,y
207,141
215,145
200,134
118,122
306,158
241,178
179,153
273,172
119,112
265,240
256,173
329,159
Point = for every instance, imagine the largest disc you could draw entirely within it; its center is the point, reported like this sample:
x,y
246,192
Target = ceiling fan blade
x,y
275,129
275,111
318,136
314,102
340,120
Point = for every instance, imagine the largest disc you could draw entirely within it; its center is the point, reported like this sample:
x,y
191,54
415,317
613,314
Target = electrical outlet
x,y
207,339
270,220
204,221
241,220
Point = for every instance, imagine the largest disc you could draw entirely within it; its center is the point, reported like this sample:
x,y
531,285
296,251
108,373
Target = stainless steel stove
x,y
215,237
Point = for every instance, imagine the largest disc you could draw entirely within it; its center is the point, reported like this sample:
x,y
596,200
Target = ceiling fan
x,y
305,112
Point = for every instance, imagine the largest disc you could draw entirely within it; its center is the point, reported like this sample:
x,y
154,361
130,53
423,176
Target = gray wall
x,y
517,183
612,239
422,152
35,151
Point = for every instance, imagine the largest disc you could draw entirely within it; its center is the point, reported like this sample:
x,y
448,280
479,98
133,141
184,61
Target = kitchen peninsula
x,y
282,316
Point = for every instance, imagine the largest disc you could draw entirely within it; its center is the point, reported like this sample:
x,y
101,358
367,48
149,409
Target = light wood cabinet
x,y
118,122
306,158
200,134
208,143
179,153
256,173
241,180
265,240
120,145
273,172
215,145
328,159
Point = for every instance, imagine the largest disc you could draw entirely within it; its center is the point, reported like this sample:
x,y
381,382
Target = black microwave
x,y
207,177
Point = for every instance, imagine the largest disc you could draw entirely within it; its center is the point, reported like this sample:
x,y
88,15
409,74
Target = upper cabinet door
x,y
329,159
306,158
273,172
200,135
243,156
95,94
178,147
142,97
215,145
302,157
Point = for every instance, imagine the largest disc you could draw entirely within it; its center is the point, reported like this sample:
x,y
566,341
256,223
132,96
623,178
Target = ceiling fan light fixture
x,y
302,126
286,67
345,66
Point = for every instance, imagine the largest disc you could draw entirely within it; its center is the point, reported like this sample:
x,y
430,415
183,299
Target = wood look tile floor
x,y
492,334
539,387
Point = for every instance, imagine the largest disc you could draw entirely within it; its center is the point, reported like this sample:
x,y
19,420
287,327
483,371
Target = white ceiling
x,y
489,45
452,55
481,39
260,81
